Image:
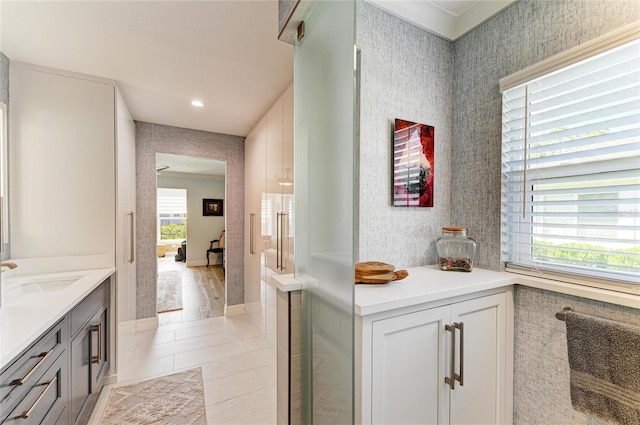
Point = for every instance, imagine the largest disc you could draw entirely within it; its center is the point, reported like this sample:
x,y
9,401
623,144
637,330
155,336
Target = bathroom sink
x,y
42,284
48,285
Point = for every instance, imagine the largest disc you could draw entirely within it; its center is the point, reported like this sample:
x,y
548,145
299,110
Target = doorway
x,y
188,289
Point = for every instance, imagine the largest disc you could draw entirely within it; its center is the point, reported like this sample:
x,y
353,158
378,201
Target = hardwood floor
x,y
202,292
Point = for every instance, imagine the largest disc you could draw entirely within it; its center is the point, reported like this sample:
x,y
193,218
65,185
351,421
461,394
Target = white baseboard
x,y
146,324
234,310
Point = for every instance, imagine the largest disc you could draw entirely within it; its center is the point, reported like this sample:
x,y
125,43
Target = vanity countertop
x,y
425,284
27,315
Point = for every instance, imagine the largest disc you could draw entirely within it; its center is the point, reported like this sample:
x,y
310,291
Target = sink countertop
x,y
425,284
25,317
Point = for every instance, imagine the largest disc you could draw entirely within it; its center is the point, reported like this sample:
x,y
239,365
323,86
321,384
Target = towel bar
x,y
560,315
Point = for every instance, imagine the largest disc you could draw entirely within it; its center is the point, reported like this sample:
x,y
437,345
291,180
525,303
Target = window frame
x,y
558,271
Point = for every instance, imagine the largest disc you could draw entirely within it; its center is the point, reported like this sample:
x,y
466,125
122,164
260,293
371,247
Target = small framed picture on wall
x,y
212,207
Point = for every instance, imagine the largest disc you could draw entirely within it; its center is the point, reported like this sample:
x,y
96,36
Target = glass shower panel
x,y
324,92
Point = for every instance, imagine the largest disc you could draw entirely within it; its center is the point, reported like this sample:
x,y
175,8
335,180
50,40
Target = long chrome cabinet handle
x,y
283,237
97,328
26,413
452,359
460,377
278,241
252,225
131,237
43,357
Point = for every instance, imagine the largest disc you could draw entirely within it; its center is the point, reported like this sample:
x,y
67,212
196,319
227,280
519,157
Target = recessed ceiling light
x,y
197,103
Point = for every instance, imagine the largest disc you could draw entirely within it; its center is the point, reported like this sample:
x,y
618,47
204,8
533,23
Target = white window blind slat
x,y
571,167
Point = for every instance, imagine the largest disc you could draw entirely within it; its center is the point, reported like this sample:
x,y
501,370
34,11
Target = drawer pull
x,y
97,328
43,356
26,413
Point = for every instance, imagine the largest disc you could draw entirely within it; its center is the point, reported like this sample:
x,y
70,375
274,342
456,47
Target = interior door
x,y
324,105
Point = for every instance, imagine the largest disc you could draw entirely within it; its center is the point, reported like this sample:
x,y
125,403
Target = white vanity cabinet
x,y
445,361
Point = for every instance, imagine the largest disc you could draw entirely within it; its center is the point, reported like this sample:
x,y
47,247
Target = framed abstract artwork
x,y
413,164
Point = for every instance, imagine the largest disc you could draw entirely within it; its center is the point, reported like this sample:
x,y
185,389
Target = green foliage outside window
x,y
580,253
173,231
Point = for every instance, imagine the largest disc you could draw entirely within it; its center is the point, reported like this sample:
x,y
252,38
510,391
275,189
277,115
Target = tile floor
x,y
238,366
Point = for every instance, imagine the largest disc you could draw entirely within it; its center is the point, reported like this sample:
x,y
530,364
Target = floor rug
x,y
169,296
176,399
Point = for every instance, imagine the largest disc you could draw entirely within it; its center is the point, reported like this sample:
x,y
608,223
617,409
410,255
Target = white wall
x,y
200,229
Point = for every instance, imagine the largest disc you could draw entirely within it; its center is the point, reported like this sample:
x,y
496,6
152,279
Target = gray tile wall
x,y
153,138
4,98
525,33
406,73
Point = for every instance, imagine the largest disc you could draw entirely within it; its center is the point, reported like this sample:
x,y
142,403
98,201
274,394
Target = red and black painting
x,y
413,164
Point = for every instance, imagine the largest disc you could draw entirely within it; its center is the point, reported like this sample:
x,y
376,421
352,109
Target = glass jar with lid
x,y
456,251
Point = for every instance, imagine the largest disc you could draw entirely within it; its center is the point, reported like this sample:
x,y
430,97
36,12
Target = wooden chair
x,y
218,250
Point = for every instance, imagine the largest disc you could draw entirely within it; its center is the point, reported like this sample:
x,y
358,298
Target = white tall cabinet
x,y
126,211
72,176
268,210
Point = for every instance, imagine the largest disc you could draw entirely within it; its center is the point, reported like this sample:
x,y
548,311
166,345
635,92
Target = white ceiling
x,y
163,54
450,19
189,166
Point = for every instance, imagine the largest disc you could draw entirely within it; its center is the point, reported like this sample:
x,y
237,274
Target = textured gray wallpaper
x,y
4,79
541,367
152,138
525,33
4,98
405,73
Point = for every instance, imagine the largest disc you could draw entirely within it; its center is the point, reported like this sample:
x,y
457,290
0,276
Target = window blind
x,y
571,167
171,201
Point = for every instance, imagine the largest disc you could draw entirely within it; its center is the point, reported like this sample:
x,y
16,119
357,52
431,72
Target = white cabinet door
x,y
62,156
126,208
480,359
411,355
408,367
255,151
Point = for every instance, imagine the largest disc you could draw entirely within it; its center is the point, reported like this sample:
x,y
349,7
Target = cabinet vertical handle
x,y
285,235
252,225
460,377
26,413
43,358
131,237
452,359
97,328
278,231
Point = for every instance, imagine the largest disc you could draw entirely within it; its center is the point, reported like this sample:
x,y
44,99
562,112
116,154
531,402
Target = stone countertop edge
x,y
429,284
24,319
285,282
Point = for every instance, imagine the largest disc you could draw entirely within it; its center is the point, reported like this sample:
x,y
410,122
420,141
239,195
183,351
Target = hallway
x,y
238,366
202,291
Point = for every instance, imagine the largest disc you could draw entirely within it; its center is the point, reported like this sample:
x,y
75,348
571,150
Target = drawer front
x,y
16,380
85,309
45,399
